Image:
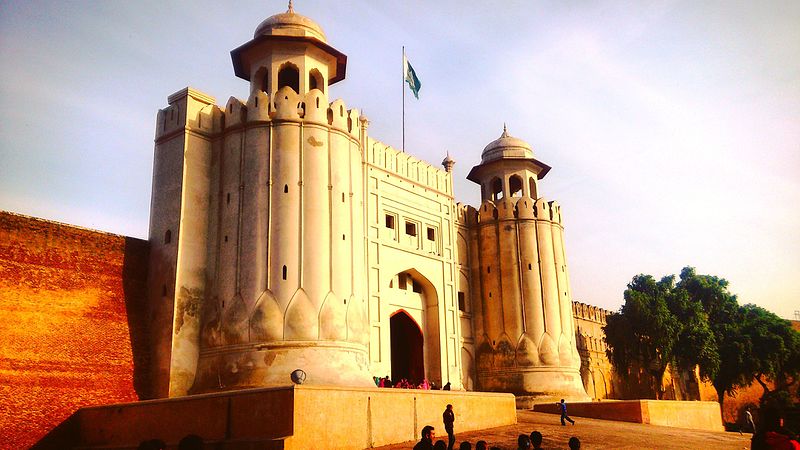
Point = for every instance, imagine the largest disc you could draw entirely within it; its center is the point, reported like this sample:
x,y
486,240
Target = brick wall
x,y
72,324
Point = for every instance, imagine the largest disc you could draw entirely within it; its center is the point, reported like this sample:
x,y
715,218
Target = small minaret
x,y
289,49
448,163
525,336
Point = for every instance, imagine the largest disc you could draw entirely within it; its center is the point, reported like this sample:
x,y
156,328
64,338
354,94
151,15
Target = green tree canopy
x,y
724,319
774,348
699,323
644,331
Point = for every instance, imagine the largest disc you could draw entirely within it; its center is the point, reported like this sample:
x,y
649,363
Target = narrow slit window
x,y
431,234
168,237
488,269
285,188
390,221
462,302
228,198
401,281
284,272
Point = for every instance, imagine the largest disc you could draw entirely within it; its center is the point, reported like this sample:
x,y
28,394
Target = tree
x,y
696,345
699,323
774,349
724,319
644,331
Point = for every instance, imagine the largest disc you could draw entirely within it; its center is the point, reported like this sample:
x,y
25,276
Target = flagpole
x,y
403,87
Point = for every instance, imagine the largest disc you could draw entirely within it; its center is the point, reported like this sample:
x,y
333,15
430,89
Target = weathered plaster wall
x,y
71,324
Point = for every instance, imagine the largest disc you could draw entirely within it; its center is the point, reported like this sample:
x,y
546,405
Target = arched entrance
x,y
407,350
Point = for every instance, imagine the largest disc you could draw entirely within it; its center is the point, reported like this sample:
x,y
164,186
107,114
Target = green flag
x,y
411,77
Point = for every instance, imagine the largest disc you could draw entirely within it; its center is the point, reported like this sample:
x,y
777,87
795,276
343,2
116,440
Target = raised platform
x,y
694,415
290,417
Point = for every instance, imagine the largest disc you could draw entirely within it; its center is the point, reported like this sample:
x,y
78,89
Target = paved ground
x,y
597,434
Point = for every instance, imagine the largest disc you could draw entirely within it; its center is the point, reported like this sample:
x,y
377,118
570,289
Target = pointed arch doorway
x,y
407,348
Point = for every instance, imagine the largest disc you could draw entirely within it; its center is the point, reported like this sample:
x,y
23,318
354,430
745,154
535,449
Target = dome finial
x,y
291,8
505,130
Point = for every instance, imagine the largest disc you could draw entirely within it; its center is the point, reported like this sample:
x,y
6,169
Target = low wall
x,y
694,415
290,417
362,418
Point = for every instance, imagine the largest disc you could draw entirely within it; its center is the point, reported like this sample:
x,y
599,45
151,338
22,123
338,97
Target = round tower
x,y
526,339
288,226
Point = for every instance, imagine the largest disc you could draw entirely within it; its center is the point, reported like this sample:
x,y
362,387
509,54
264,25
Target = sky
x,y
673,127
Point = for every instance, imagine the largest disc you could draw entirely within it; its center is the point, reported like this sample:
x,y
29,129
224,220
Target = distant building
x,y
284,236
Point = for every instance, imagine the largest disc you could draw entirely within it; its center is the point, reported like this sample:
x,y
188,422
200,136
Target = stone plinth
x,y
669,413
290,417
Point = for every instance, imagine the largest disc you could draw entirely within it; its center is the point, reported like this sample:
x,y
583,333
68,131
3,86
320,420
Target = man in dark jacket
x,y
426,443
448,418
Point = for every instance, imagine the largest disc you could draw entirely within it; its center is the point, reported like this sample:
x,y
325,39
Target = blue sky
x,y
673,128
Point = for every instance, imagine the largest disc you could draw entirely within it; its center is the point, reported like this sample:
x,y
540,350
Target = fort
x,y
282,232
283,236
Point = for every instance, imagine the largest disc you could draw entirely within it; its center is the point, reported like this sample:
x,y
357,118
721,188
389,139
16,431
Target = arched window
x,y
289,76
515,186
497,189
261,79
315,80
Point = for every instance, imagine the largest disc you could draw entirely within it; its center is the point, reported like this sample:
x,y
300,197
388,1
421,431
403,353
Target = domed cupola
x,y
506,146
289,49
508,169
290,24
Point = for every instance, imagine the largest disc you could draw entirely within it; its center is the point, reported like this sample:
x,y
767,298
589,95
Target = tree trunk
x,y
720,397
763,386
658,379
762,383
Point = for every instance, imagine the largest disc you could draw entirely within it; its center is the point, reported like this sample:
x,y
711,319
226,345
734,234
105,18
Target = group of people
x,y
386,382
524,442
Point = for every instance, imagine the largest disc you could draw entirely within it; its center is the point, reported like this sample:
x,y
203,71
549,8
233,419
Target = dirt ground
x,y
595,434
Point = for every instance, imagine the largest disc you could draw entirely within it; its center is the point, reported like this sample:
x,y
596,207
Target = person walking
x,y
564,415
749,419
448,417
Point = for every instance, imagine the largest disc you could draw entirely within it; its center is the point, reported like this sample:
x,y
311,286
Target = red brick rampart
x,y
72,324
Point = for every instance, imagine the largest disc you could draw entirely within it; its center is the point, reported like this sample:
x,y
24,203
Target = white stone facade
x,y
283,236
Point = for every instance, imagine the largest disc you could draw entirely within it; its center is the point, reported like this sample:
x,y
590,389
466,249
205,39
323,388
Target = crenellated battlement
x,y
312,107
466,215
188,108
392,160
191,109
509,208
589,312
